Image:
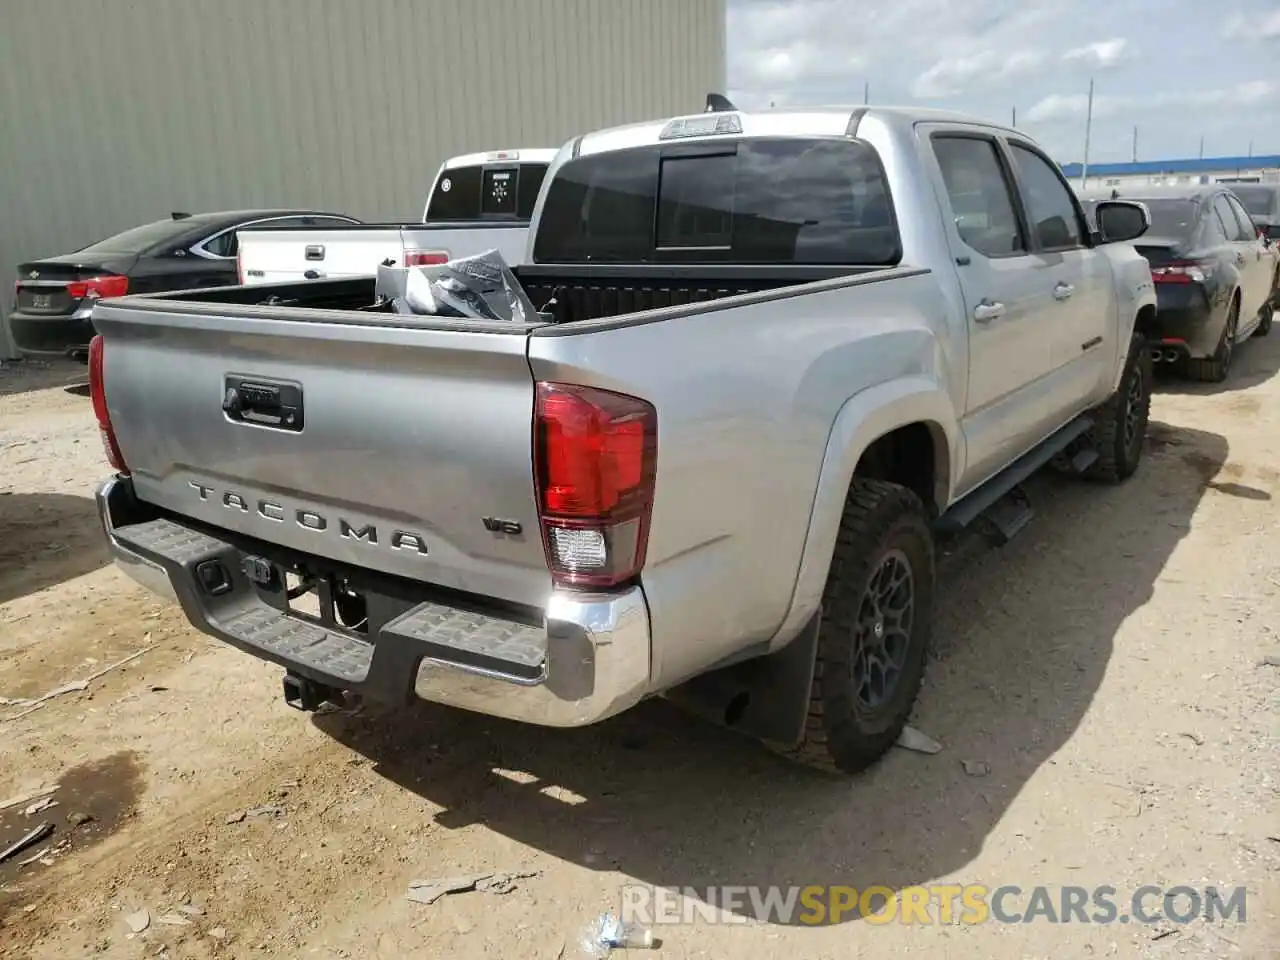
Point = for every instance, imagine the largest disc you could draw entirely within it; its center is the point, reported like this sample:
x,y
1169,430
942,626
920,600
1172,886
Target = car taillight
x,y
98,395
98,288
595,462
1182,271
425,258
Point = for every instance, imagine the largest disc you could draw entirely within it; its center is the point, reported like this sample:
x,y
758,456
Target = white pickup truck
x,y
773,355
478,202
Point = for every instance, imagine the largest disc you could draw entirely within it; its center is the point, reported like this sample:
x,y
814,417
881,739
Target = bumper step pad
x,y
433,631
474,639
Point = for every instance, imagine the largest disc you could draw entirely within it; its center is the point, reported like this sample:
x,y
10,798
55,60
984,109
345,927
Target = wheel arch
x,y
884,433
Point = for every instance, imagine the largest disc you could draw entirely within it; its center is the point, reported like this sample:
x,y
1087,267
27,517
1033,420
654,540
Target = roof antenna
x,y
718,104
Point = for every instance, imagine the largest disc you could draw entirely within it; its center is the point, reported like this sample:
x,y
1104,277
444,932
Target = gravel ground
x,y
1100,690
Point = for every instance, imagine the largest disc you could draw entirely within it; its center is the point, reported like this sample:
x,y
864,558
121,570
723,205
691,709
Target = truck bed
x,y
567,297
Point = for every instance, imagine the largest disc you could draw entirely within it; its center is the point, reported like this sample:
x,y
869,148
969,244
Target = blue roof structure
x,y
1206,165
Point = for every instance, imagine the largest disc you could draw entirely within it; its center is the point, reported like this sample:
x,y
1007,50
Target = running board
x,y
975,504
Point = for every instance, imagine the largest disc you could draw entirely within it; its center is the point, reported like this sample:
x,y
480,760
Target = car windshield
x,y
1258,201
141,238
1171,218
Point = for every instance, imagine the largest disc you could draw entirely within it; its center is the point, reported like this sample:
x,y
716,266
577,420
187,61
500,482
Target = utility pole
x,y
1202,146
1135,143
1088,129
1250,149
866,92
1014,121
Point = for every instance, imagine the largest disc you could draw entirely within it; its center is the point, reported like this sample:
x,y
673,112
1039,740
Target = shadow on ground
x,y
1025,633
1255,362
46,538
24,376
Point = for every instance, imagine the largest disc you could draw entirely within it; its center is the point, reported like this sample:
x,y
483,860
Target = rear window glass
x,y
500,191
1175,219
143,238
767,201
1259,202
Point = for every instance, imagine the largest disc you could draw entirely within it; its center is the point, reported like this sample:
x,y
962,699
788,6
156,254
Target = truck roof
x,y
822,121
523,154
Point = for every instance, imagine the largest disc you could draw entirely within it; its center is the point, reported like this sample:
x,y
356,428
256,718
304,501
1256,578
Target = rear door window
x,y
1236,231
980,195
499,191
763,201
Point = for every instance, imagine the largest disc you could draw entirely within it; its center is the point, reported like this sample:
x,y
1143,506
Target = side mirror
x,y
1120,221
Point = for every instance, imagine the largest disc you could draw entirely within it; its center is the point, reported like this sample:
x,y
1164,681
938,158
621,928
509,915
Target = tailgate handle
x,y
315,251
264,403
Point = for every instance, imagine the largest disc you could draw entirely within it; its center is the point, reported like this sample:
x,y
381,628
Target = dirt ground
x,y
1100,689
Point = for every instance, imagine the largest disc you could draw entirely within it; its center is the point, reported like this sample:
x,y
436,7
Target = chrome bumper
x,y
596,655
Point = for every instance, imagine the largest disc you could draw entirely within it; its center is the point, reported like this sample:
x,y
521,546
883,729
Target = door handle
x,y
1063,291
986,311
313,275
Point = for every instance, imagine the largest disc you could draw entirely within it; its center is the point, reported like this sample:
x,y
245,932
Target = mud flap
x,y
766,697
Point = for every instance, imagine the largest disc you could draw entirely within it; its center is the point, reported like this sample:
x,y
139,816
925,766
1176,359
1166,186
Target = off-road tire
x,y
882,523
1268,315
1215,369
1120,424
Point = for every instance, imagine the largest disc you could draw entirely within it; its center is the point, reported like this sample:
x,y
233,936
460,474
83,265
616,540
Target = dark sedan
x,y
55,296
1212,272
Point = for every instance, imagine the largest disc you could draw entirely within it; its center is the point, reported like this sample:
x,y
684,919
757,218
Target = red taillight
x,y
595,457
425,258
1182,271
98,396
98,288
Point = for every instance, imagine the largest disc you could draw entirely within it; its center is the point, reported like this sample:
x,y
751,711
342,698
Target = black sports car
x,y
56,295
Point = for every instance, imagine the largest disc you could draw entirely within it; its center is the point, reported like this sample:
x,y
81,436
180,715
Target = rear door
x,y
1258,263
1006,289
1079,316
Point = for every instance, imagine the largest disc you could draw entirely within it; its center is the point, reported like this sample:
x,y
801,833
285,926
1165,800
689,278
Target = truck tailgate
x,y
283,256
400,448
458,240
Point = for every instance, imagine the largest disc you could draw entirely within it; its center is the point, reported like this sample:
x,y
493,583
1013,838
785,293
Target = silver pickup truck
x,y
771,361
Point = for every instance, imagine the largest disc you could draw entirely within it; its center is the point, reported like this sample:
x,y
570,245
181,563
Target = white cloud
x,y
1264,28
1059,107
987,57
1102,53
985,70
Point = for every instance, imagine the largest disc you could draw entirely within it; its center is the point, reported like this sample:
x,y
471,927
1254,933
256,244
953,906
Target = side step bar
x,y
981,500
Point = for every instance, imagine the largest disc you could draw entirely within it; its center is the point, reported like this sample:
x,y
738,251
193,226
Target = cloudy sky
x,y
1176,69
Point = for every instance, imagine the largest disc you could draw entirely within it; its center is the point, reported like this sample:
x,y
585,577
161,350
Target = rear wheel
x,y
1265,319
1215,368
1120,424
874,636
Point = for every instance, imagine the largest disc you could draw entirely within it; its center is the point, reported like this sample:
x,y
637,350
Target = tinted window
x,y
1247,226
140,239
1236,232
1258,201
1049,204
1171,219
501,191
776,201
981,202
225,245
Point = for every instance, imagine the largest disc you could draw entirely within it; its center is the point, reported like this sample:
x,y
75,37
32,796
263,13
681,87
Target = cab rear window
x,y
501,191
762,201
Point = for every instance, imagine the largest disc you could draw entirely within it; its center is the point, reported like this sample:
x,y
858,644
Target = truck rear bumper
x,y
588,659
